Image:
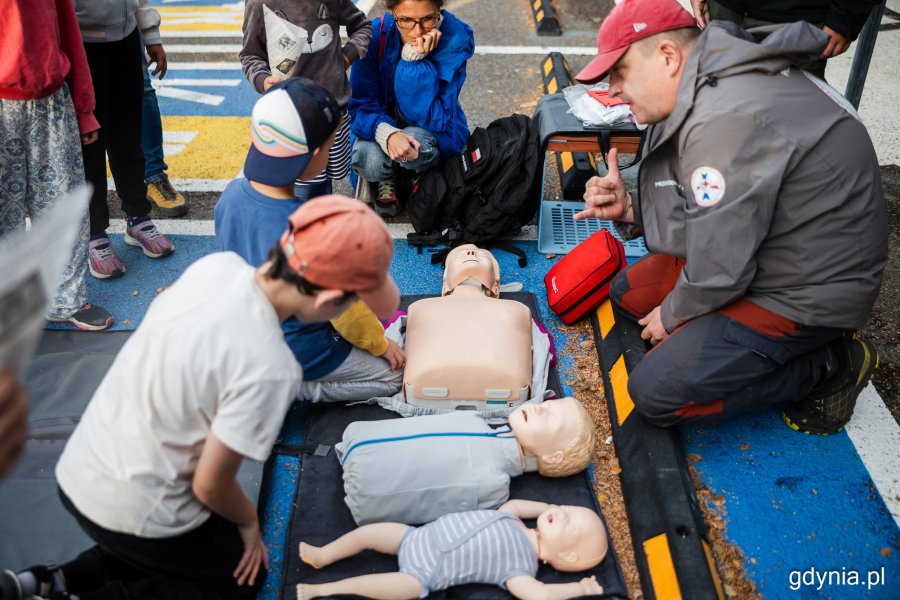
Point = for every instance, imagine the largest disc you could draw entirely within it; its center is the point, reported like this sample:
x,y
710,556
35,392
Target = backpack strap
x,y
382,41
507,247
423,240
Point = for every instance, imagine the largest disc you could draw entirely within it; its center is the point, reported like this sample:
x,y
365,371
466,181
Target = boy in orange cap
x,y
205,381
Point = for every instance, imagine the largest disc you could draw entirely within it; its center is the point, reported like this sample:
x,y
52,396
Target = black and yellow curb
x,y
545,21
669,535
575,168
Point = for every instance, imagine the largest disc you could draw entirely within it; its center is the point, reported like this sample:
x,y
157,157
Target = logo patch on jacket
x,y
708,185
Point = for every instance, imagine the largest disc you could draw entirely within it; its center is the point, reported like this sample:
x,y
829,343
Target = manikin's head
x,y
559,433
571,538
643,45
470,261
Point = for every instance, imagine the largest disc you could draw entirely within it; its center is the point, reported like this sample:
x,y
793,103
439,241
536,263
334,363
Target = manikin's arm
x,y
524,509
529,588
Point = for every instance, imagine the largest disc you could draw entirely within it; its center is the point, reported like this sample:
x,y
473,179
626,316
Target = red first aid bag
x,y
579,282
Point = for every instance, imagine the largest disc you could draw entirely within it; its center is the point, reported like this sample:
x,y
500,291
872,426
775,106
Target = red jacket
x,y
41,49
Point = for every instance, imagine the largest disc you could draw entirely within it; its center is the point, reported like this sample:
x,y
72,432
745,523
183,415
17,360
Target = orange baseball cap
x,y
628,22
338,243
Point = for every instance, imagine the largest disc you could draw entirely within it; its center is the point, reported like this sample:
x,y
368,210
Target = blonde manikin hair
x,y
577,454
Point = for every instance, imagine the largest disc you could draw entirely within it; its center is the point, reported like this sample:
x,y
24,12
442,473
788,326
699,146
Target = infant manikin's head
x,y
571,538
559,433
470,261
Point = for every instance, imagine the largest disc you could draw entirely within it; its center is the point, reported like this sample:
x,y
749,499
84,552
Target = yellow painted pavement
x,y
201,18
217,152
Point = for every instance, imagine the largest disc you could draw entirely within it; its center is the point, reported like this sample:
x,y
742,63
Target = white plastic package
x,y
592,112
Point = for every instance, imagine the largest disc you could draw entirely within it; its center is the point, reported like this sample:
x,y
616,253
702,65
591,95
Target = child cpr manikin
x,y
468,348
417,469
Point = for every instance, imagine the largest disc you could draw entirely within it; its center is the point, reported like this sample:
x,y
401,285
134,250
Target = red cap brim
x,y
600,66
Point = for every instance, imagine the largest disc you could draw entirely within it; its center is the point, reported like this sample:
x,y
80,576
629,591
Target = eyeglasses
x,y
407,23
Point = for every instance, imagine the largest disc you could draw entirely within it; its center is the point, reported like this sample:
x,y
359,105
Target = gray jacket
x,y
417,469
766,182
114,20
324,65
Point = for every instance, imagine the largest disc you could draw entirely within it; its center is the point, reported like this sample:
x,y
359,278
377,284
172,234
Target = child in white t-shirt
x,y
205,380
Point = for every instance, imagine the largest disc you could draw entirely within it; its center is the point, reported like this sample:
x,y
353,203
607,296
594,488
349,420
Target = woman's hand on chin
x,y
428,42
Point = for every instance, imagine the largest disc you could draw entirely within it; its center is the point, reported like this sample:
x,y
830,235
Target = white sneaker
x,y
364,191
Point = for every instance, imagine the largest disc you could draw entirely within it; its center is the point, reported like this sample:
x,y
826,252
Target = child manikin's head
x,y
470,261
571,538
559,433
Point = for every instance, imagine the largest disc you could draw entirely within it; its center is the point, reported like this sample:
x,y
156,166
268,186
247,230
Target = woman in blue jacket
x,y
405,95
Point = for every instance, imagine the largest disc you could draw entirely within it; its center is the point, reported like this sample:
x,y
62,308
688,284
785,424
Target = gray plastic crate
x,y
558,233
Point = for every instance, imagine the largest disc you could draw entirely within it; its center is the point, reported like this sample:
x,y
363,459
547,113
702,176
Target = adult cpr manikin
x,y
468,348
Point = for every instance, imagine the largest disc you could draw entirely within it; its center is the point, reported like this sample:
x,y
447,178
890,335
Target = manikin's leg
x,y
381,586
380,537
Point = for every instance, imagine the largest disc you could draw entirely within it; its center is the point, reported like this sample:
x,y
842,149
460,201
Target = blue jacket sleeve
x,y
427,90
367,108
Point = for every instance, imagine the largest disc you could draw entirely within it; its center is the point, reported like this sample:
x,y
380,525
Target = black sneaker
x,y
89,317
387,203
829,407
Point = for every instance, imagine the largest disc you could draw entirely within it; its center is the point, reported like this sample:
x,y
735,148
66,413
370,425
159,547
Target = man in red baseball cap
x,y
759,196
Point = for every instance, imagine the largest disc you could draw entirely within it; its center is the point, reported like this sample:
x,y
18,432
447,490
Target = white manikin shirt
x,y
209,356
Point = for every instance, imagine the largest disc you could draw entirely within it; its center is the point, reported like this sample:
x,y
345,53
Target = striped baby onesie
x,y
479,546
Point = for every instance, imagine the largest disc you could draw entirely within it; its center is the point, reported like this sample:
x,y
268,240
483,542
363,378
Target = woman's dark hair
x,y
392,4
280,269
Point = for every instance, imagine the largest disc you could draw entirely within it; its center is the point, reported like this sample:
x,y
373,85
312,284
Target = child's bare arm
x,y
215,485
529,588
524,509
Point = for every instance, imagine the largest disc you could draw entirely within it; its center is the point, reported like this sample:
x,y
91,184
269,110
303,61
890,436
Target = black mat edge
x,y
659,495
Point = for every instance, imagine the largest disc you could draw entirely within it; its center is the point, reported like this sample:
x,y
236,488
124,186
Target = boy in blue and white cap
x,y
292,128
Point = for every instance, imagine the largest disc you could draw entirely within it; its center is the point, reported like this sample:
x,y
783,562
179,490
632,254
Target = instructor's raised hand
x,y
606,197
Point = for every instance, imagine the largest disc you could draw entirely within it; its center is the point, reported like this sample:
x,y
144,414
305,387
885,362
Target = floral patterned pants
x,y
40,160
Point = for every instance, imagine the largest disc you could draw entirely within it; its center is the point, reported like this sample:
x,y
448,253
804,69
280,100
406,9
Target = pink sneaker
x,y
104,264
144,234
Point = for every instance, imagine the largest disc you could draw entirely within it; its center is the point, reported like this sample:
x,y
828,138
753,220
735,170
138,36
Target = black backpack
x,y
485,195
